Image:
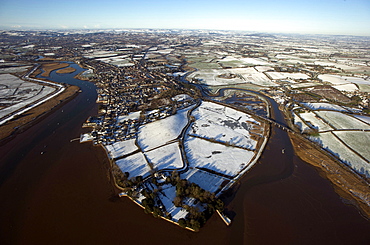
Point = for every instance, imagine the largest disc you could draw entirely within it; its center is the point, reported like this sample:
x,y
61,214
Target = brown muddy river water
x,y
64,196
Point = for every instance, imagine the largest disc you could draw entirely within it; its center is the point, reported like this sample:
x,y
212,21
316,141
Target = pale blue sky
x,y
349,17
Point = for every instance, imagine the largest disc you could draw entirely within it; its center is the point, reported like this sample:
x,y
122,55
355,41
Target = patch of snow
x,y
181,97
121,148
133,116
166,157
365,119
284,75
169,194
160,132
342,121
331,143
86,137
357,140
135,164
346,87
315,121
324,106
207,181
216,157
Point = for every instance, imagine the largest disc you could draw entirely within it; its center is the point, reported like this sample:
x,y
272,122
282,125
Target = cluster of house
x,y
124,95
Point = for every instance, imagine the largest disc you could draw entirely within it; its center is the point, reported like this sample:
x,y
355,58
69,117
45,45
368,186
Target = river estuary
x,y
54,191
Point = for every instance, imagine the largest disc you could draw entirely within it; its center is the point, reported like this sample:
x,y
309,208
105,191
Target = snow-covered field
x,y
215,127
346,87
223,124
324,106
357,140
160,132
211,77
216,157
26,93
100,54
181,97
303,85
242,75
222,133
240,62
263,68
338,80
166,157
365,119
169,194
207,181
14,69
135,164
284,75
300,123
331,143
253,76
342,121
121,148
315,121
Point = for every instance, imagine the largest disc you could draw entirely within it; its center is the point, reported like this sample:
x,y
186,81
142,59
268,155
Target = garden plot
x,y
286,75
357,140
160,132
324,106
342,121
207,181
216,157
121,148
135,164
331,143
315,122
166,157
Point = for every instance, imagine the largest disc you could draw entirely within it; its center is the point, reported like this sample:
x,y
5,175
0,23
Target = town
x,y
174,105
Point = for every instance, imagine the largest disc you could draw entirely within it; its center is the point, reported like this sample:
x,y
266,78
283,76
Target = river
x,y
64,195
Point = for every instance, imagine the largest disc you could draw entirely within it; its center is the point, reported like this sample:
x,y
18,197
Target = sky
x,y
338,17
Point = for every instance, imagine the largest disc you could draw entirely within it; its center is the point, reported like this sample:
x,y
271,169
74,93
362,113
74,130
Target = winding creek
x,y
64,196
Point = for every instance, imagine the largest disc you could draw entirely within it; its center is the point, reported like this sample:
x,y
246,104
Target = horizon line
x,y
61,29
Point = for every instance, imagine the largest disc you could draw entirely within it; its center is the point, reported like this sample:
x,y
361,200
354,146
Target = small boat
x,y
283,150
